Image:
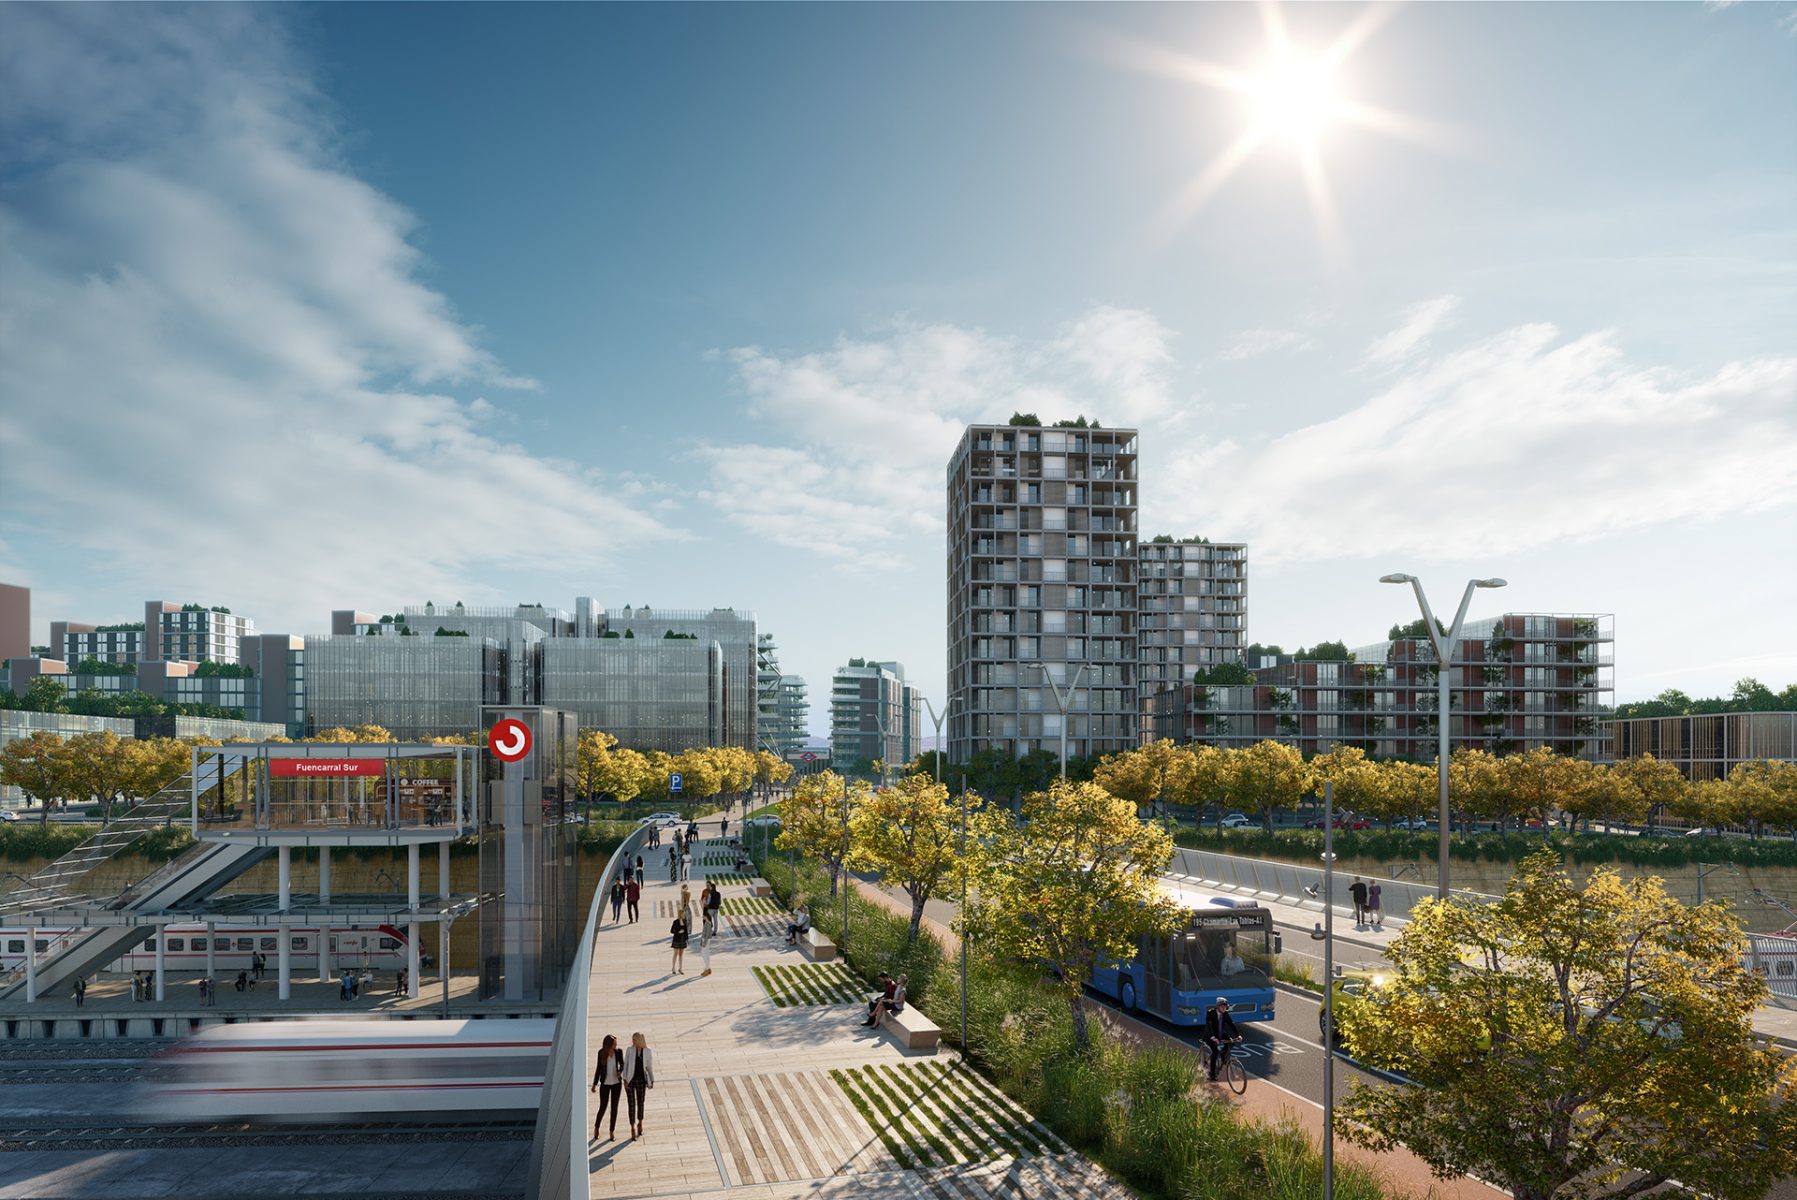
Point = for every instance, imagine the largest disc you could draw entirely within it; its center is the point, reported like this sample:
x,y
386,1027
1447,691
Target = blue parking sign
x,y
674,783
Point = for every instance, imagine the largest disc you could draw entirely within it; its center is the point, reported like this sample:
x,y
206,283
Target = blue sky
x,y
304,308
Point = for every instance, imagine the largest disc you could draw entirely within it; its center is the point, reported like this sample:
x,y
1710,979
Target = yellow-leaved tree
x,y
910,833
1660,783
1071,881
816,816
1266,777
1600,1046
1148,775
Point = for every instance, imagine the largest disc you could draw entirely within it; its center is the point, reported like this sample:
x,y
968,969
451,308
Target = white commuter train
x,y
232,945
314,1070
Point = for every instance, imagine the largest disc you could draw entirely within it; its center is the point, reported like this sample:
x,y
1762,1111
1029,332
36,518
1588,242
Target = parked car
x,y
1236,821
666,820
7,814
762,822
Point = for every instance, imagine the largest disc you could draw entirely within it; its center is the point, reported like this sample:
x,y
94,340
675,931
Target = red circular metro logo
x,y
509,740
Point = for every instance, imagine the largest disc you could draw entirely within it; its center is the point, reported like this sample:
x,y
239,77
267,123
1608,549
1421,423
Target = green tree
x,y
1265,778
1659,783
46,693
39,766
1223,675
1600,1046
814,822
1148,775
1074,881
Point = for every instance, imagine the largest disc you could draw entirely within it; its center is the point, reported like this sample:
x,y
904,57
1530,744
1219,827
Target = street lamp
x,y
937,721
1444,654
1325,933
1062,702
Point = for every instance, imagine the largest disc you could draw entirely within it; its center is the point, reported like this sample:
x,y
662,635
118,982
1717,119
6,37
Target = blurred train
x,y
343,946
329,1069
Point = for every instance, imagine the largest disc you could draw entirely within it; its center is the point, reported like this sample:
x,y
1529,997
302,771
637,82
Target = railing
x,y
558,1151
54,946
1774,957
1291,884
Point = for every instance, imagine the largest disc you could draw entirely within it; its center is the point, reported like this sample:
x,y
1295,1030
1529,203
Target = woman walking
x,y
1374,912
681,928
706,933
608,1073
617,898
639,1077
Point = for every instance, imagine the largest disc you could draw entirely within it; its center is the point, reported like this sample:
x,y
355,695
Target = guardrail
x,y
1774,957
1289,883
558,1152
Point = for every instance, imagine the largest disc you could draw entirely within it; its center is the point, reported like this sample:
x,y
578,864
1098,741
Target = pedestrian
x,y
798,924
639,869
202,983
243,981
724,827
674,862
402,981
633,892
80,992
137,986
705,937
639,1077
1358,890
1374,905
343,986
709,902
608,1073
680,930
893,1003
888,986
617,898
686,865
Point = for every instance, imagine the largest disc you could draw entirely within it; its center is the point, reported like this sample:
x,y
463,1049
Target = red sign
x,y
807,757
509,740
326,768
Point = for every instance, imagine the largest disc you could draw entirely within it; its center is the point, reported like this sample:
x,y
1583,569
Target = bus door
x,y
1157,966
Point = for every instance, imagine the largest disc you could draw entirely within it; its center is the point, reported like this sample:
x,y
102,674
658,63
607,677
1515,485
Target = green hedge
x,y
1135,1110
1305,845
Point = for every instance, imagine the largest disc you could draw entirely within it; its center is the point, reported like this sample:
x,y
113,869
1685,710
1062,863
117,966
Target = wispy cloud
x,y
220,364
1506,444
872,420
1253,343
1421,322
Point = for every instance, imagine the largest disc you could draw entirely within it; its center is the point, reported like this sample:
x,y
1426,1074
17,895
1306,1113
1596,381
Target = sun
x,y
1293,97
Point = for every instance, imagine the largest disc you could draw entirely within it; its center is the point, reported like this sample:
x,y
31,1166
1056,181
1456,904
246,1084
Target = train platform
x,y
768,1087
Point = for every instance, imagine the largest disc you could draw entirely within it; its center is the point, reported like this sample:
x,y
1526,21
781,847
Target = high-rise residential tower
x,y
1042,570
1194,615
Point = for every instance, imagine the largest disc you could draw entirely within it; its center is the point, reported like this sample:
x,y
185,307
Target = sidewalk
x,y
759,1101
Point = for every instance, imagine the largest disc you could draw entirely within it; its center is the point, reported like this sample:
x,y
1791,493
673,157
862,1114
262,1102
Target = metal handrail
x,y
52,948
558,1150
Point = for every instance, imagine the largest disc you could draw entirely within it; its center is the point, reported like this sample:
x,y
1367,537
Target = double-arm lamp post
x,y
1062,703
937,719
1444,644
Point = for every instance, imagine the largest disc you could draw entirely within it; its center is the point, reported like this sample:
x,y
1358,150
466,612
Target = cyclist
x,y
1219,1034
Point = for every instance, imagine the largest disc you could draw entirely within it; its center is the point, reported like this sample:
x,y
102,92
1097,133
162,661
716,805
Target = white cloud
x,y
872,421
1421,322
1252,343
221,369
1510,443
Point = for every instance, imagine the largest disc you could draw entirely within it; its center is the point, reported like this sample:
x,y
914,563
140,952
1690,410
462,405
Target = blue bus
x,y
1222,951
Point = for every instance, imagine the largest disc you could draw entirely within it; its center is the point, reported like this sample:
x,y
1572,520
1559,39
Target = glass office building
x,y
666,694
415,687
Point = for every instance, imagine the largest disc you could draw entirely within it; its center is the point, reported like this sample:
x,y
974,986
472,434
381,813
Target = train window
x,y
15,945
42,944
198,943
175,944
389,943
271,943
299,943
246,944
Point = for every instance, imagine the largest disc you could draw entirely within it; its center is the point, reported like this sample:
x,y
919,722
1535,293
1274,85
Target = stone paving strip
x,y
788,984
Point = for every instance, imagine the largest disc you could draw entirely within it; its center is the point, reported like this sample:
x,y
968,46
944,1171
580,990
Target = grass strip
x,y
904,1084
970,1114
763,977
1005,1110
864,1079
1000,1123
975,1146
899,1154
878,1078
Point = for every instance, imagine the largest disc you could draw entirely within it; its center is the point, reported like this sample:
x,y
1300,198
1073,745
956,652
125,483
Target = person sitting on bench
x,y
799,926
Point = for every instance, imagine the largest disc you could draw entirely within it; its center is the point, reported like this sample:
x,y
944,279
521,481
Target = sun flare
x,y
1293,97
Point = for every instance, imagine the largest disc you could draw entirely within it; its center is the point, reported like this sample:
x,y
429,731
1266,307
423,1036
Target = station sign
x,y
807,757
325,768
509,740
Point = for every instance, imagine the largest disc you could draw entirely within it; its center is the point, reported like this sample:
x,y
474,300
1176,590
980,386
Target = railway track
x,y
113,1135
93,1070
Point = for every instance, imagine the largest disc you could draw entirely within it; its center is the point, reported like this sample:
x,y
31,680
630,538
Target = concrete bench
x,y
760,887
912,1028
815,946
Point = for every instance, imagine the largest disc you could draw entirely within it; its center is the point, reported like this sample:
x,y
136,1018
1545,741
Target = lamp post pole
x,y
1061,702
1445,644
1326,934
845,867
937,721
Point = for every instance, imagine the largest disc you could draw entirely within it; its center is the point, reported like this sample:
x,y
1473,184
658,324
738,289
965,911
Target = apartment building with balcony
x,y
1042,574
1517,682
1193,596
874,714
169,632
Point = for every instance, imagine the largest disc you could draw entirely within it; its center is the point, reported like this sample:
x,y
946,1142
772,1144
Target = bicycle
x,y
1232,1073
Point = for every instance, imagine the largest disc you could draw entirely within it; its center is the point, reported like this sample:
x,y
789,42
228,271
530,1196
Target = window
x,y
15,945
199,943
269,943
181,944
388,943
41,944
245,945
300,943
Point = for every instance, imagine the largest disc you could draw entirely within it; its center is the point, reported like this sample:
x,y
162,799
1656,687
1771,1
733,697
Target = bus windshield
x,y
1220,951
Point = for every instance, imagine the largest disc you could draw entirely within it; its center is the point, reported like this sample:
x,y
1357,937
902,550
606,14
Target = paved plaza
x,y
762,1100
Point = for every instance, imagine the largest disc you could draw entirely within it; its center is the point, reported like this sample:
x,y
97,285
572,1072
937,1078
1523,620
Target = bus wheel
x,y
1126,994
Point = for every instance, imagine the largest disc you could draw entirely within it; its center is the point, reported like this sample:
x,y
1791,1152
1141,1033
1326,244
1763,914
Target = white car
x,y
762,822
663,819
1236,821
7,814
